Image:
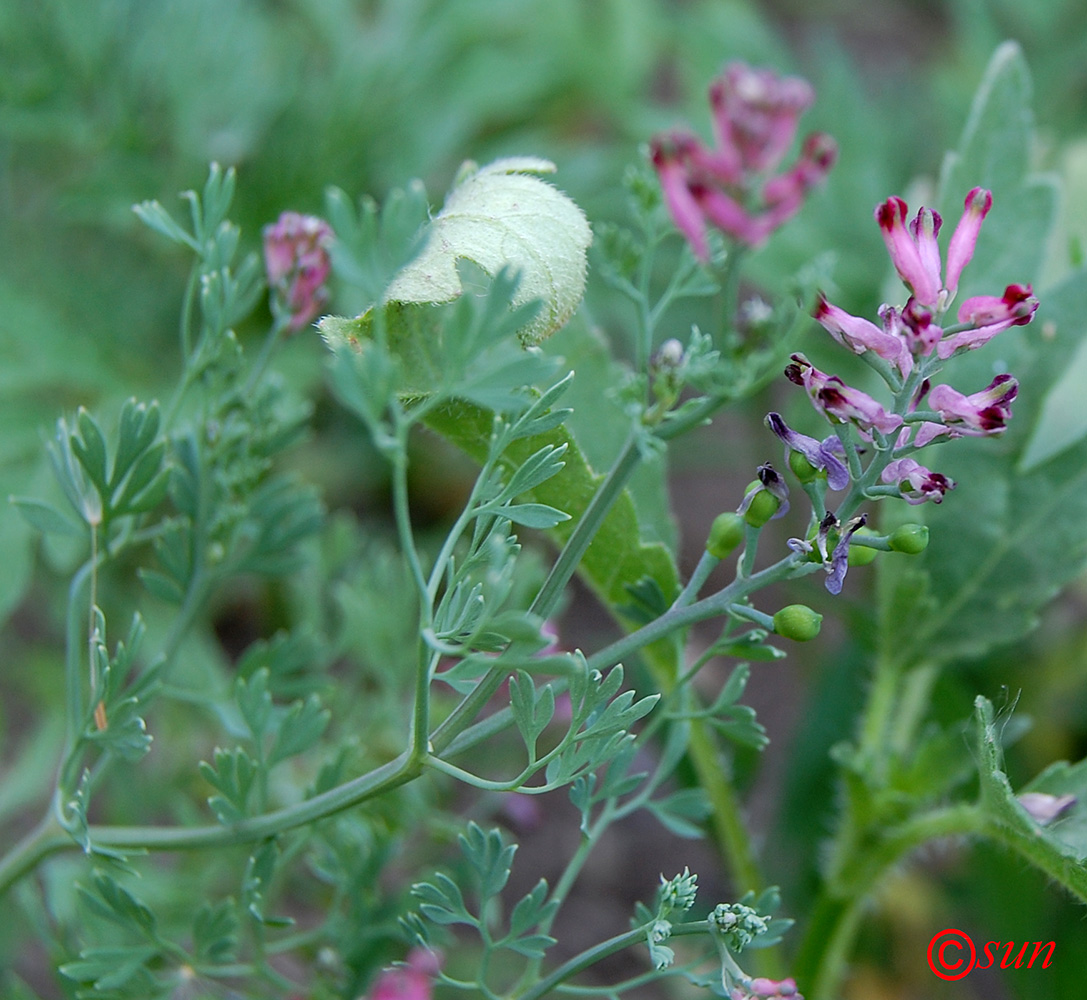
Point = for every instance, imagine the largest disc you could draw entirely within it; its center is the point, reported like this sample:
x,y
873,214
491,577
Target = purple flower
x,y
839,558
916,483
831,396
982,414
297,263
826,454
1045,808
767,989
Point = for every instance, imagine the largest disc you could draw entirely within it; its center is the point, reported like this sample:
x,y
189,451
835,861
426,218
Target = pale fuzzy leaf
x,y
500,216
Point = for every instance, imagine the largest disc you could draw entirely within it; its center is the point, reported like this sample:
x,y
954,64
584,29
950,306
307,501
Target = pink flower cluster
x,y
731,186
296,260
413,980
913,335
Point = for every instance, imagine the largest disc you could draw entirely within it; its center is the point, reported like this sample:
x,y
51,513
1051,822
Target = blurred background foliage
x,y
105,103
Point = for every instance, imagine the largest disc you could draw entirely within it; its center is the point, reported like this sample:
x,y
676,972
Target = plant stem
x,y
589,957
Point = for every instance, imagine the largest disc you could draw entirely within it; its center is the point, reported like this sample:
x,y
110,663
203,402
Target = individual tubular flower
x,y
767,989
669,155
838,401
1045,808
839,559
827,454
961,248
297,262
990,315
861,335
916,483
981,414
755,117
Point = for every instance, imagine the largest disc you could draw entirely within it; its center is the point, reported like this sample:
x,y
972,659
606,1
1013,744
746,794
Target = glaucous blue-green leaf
x,y
502,216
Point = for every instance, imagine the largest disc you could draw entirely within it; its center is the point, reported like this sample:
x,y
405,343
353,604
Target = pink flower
x,y
961,249
915,252
990,315
916,483
838,401
982,414
668,154
755,119
297,263
413,980
861,335
755,115
767,989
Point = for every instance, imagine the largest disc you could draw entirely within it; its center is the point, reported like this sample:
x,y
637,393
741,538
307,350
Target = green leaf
x,y
299,729
215,932
111,968
618,556
533,515
682,812
442,901
46,518
500,216
490,858
1060,850
531,910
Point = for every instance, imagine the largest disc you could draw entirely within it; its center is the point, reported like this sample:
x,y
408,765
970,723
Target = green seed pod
x,y
910,538
797,622
726,532
802,468
763,506
861,555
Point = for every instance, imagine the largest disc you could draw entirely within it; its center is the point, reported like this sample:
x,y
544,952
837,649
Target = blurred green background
x,y
104,103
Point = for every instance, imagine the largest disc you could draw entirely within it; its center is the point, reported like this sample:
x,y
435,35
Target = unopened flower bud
x,y
910,538
726,533
763,506
797,622
802,468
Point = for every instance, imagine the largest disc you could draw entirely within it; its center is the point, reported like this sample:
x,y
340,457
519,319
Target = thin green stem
x,y
706,565
587,527
589,957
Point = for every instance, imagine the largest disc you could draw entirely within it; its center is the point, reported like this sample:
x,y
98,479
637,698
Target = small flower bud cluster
x,y
733,186
297,262
678,894
738,924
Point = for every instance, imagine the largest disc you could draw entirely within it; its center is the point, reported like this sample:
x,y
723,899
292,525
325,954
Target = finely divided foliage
x,y
421,675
